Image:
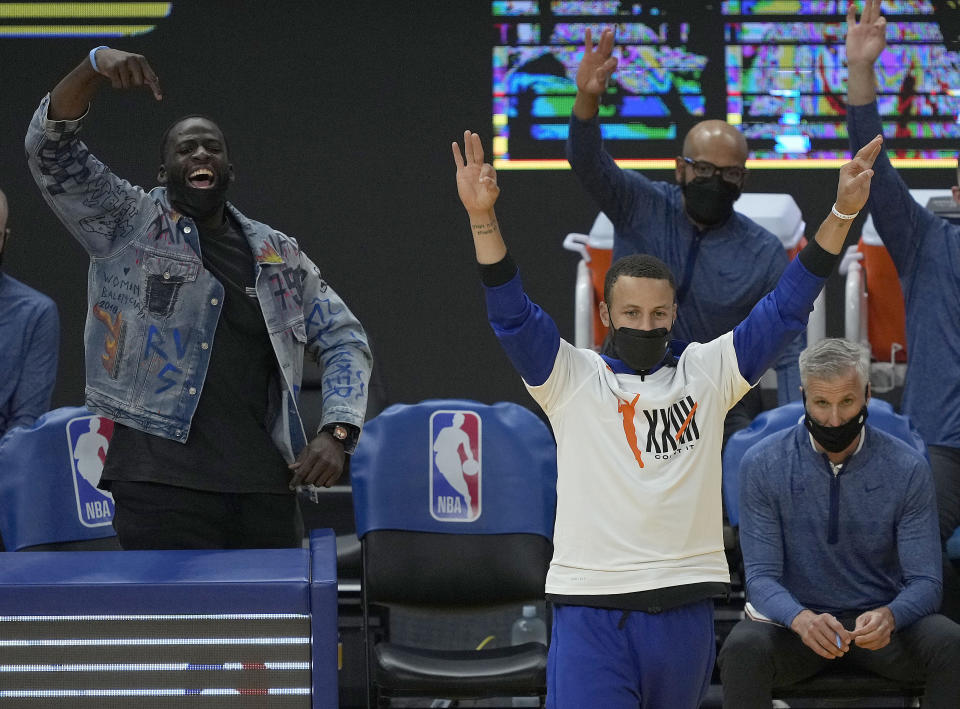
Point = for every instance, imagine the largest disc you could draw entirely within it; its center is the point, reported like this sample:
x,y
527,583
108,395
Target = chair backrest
x,y
48,478
881,416
454,502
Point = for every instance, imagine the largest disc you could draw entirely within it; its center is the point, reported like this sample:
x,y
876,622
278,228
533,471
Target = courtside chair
x,y
455,504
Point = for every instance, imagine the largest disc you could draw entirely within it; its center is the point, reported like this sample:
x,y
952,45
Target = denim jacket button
x,y
204,346
186,230
166,276
193,391
178,434
214,301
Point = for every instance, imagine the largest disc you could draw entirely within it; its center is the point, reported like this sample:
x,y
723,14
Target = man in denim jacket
x,y
195,336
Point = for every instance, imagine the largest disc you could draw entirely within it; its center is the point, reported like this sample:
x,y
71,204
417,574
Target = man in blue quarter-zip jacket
x,y
926,251
638,543
199,319
725,262
838,528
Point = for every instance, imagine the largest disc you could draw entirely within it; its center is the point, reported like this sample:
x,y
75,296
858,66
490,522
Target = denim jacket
x,y
154,308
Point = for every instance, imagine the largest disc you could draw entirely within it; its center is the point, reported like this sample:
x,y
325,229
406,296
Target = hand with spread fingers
x,y
595,70
853,188
476,180
866,39
598,63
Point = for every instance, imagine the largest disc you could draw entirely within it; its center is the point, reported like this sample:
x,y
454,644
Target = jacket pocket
x,y
164,277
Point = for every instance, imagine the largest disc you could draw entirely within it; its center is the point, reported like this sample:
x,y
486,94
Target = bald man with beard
x,y
725,263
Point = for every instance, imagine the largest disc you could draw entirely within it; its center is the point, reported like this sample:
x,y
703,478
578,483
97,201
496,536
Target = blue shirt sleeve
x,y
776,320
527,334
902,224
918,546
761,540
31,399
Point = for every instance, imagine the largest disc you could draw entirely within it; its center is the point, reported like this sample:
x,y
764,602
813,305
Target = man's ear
x,y
604,314
162,175
681,167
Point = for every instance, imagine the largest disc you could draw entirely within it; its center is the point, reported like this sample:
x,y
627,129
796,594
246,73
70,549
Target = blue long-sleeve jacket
x,y
733,265
926,252
29,345
884,549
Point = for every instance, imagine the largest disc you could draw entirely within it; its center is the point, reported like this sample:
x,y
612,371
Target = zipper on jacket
x,y
833,522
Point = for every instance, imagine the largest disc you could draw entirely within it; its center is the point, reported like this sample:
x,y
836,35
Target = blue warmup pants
x,y
654,661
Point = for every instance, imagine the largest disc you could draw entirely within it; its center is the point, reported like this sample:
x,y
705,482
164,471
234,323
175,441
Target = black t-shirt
x,y
229,448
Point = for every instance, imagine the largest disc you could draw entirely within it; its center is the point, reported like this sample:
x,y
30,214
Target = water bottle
x,y
528,628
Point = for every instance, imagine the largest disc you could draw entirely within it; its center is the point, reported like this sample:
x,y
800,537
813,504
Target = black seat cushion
x,y
462,673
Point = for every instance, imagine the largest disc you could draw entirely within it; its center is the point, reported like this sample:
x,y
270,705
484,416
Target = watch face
x,y
340,433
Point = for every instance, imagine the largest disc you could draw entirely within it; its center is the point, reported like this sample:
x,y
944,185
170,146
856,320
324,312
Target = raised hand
x,y
476,180
597,64
868,38
127,71
853,188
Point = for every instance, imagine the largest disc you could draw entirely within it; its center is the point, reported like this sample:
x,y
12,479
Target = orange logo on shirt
x,y
627,411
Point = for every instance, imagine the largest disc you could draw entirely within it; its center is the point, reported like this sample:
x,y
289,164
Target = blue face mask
x,y
641,350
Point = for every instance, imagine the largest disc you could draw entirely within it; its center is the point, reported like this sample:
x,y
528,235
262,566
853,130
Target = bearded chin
x,y
198,204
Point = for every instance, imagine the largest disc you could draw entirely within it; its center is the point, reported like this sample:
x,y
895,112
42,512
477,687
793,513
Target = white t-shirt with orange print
x,y
639,473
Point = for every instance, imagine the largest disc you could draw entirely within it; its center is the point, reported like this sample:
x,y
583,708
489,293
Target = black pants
x,y
154,516
945,465
756,657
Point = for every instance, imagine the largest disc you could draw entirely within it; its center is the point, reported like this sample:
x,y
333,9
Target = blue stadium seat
x,y
455,504
48,490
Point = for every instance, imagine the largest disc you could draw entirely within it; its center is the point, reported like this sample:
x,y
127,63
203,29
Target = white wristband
x,y
840,215
93,57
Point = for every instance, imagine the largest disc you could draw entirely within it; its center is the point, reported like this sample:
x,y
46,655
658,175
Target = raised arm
x,y
902,224
621,194
595,70
783,312
72,95
866,40
528,335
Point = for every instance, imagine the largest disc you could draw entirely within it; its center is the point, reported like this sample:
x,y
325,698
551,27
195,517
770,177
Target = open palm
x,y
476,180
597,64
868,38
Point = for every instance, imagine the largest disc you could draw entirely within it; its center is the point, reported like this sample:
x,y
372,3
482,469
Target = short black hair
x,y
166,134
637,266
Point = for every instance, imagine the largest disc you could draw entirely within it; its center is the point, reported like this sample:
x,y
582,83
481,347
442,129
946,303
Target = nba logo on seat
x,y
455,466
88,438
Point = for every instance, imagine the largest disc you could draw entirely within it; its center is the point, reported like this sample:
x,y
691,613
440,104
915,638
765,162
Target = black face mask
x,y
641,350
834,438
197,203
709,200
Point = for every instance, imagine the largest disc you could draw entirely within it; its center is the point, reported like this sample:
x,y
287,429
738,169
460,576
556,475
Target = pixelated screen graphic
x,y
774,68
80,19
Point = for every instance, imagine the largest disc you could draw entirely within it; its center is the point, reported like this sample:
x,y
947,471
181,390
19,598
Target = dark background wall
x,y
340,118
